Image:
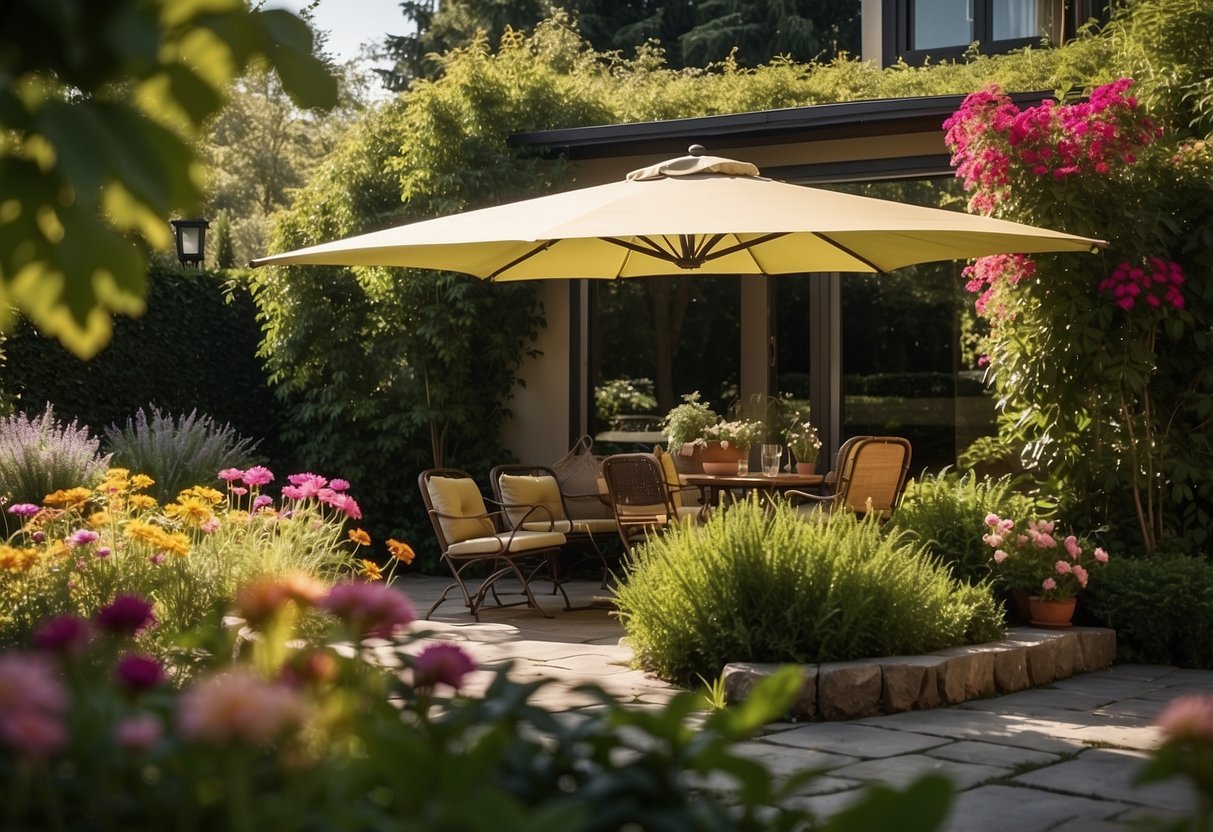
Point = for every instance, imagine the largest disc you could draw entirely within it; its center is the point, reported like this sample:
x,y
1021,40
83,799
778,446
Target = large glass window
x,y
935,23
1016,19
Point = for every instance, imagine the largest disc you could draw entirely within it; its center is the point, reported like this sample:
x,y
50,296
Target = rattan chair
x,y
469,534
520,489
639,496
871,477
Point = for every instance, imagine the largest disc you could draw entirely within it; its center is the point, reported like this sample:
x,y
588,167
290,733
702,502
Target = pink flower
x,y
32,702
1081,576
309,485
239,491
339,485
371,609
1101,555
1062,567
258,475
291,492
1072,547
140,732
1006,526
240,707
1188,718
33,733
82,537
230,475
23,509
126,615
1000,556
210,526
992,519
103,552
442,664
261,501
992,540
1048,585
137,672
158,558
65,634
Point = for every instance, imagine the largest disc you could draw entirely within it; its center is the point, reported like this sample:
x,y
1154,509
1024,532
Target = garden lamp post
x,y
191,241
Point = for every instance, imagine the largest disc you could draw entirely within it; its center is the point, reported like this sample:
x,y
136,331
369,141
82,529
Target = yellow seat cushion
x,y
521,493
507,542
460,507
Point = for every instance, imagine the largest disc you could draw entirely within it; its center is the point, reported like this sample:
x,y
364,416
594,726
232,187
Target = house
x,y
870,367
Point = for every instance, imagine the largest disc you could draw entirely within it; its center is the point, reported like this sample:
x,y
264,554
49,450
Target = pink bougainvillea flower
x,y
442,664
23,509
126,615
1048,585
258,475
230,475
370,609
140,732
137,672
67,634
239,707
1188,718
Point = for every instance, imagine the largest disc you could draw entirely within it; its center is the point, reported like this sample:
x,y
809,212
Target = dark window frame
x,y
897,32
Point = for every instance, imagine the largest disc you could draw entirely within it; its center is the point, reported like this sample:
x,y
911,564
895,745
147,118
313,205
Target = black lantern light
x,y
191,241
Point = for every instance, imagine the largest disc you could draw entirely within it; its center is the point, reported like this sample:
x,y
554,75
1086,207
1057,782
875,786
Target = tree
x,y
99,102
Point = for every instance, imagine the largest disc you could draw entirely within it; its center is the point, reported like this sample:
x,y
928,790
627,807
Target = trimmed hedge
x,y
194,348
1160,607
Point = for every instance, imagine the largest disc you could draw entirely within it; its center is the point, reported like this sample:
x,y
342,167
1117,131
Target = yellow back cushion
x,y
671,475
530,491
460,497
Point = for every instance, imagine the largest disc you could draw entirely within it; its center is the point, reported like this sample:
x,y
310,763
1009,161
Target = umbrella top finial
x,y
697,150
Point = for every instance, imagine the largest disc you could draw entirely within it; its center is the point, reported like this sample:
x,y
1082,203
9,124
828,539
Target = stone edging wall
x,y
849,690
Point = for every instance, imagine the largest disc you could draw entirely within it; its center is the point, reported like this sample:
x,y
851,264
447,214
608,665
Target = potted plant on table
x,y
805,445
1053,570
693,426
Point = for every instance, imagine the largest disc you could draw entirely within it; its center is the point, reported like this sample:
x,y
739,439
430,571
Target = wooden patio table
x,y
714,484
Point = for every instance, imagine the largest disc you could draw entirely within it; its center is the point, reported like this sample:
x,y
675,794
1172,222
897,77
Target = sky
x,y
351,23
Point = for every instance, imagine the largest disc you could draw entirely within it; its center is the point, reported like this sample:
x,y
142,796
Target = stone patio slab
x,y
991,754
900,772
854,740
1109,773
1010,809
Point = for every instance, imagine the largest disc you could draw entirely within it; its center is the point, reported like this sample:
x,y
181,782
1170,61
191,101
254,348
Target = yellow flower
x,y
99,519
370,570
57,549
142,532
402,552
70,498
201,492
238,517
117,474
193,511
142,481
13,559
360,537
174,543
140,502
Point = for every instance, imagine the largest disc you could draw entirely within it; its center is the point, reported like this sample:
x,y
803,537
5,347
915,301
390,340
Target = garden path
x,y
1062,757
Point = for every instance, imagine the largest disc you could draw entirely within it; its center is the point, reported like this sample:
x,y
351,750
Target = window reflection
x,y
938,23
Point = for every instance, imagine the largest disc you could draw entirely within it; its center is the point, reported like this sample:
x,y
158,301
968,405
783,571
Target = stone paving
x,y
1059,757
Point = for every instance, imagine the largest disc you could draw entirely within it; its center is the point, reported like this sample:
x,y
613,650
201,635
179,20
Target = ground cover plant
x,y
271,732
79,548
767,586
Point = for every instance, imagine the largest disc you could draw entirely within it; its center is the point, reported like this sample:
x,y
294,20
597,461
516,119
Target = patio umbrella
x,y
693,213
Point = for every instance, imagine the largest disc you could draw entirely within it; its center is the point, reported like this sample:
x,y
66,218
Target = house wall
x,y
538,431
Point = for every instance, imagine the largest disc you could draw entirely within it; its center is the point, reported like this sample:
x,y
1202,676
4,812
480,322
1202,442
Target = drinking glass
x,y
772,455
743,464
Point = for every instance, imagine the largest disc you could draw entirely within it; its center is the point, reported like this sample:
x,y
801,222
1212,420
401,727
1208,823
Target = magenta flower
x,y
442,664
371,609
65,634
158,558
23,509
258,475
32,703
231,475
992,519
126,615
103,552
140,732
339,485
238,491
137,672
261,501
291,492
82,537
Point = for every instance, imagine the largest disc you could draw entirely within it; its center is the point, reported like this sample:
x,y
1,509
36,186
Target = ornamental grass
x,y
762,585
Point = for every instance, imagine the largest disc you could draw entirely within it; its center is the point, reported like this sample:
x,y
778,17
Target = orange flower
x,y
191,510
13,559
142,501
70,498
370,570
360,537
142,481
261,599
402,552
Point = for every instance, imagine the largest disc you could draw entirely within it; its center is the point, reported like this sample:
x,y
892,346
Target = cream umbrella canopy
x,y
694,213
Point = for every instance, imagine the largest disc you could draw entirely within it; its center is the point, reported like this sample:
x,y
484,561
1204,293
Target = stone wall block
x,y
910,683
848,690
741,677
1011,669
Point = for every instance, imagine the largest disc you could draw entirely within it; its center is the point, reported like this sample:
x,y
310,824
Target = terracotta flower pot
x,y
806,468
720,461
1054,615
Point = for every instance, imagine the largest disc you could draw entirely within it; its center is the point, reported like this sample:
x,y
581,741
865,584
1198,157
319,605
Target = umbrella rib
x,y
848,251
651,250
757,241
539,249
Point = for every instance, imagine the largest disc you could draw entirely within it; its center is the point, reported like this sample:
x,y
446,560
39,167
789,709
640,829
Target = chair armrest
x,y
813,498
541,513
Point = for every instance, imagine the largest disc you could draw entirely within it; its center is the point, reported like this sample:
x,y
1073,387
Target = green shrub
x,y
755,585
40,455
945,513
1160,607
177,452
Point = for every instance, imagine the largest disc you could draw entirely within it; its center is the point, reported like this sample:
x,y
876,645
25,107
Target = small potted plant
x,y
693,426
1052,570
805,445
688,423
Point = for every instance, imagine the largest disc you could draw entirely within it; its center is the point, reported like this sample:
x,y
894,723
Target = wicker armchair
x,y
640,496
870,476
469,534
